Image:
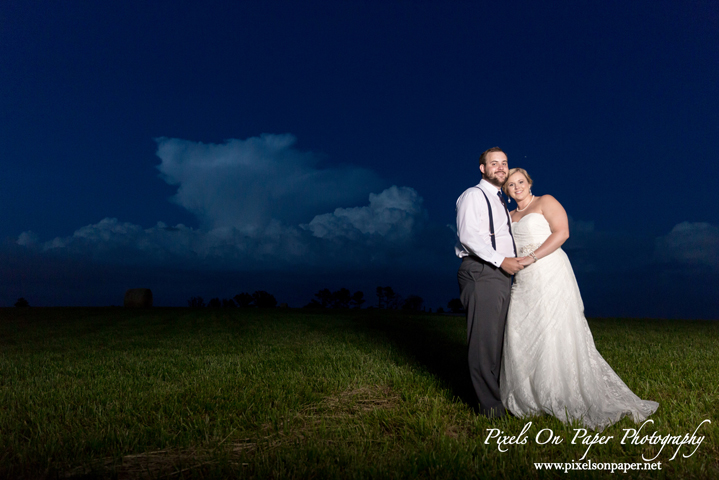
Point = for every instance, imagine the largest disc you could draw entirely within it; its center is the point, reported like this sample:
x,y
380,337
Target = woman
x,y
550,363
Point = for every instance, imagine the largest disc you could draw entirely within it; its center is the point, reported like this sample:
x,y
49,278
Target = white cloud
x,y
261,205
689,243
394,214
248,183
112,241
349,236
28,239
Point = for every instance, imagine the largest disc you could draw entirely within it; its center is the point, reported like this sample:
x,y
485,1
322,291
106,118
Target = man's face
x,y
495,170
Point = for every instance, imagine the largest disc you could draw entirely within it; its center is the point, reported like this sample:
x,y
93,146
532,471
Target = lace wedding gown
x,y
550,363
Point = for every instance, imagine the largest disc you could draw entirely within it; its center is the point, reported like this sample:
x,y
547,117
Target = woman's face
x,y
518,186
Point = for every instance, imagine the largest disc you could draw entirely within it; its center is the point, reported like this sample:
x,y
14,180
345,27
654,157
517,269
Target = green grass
x,y
181,393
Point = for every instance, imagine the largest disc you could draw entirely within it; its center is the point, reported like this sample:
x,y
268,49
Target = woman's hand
x,y
525,261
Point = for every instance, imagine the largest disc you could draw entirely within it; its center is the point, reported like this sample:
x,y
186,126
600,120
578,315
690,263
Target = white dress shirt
x,y
473,225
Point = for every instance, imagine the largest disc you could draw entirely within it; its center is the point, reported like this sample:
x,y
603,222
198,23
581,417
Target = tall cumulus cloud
x,y
393,214
246,184
260,203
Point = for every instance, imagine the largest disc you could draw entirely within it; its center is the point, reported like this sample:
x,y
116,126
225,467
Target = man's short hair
x,y
483,157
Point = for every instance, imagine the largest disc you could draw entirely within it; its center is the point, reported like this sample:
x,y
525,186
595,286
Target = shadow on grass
x,y
435,342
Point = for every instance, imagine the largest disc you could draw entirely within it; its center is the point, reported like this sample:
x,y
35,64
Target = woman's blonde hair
x,y
512,171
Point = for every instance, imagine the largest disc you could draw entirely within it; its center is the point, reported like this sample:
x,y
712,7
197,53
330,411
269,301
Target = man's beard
x,y
495,181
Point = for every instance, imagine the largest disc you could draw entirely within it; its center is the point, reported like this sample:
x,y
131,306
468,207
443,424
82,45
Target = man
x,y
486,247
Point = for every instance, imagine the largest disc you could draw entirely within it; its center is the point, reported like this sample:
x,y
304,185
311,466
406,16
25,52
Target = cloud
x,y
28,239
246,184
395,214
358,236
261,204
266,212
272,217
690,244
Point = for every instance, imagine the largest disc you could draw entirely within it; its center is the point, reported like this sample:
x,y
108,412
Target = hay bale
x,y
283,305
138,297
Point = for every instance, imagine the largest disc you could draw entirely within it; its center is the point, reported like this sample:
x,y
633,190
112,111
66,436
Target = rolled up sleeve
x,y
471,215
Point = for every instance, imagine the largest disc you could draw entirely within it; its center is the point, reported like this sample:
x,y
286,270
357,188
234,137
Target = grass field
x,y
243,393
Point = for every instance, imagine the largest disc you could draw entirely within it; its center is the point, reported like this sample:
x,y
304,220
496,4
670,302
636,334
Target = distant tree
x,y
394,299
341,298
387,298
21,302
313,304
455,305
324,297
228,303
381,303
357,299
412,302
440,310
214,303
196,302
263,299
243,299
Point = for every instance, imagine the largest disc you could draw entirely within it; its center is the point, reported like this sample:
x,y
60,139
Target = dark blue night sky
x,y
209,148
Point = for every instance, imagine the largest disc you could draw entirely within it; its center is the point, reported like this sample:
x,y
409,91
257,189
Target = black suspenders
x,y
491,220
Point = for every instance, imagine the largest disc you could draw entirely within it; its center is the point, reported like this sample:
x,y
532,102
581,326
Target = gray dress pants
x,y
484,292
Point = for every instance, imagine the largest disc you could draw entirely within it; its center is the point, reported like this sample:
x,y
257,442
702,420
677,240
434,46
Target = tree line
x,y
259,299
387,299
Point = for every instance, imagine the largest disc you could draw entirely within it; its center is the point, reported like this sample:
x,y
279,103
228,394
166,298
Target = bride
x,y
550,363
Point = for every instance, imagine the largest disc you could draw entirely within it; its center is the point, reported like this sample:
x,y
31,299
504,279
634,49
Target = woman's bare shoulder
x,y
547,200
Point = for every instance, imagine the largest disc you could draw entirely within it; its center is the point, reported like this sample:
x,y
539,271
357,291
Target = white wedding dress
x,y
549,361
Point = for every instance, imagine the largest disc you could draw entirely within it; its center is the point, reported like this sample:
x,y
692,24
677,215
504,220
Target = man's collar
x,y
488,187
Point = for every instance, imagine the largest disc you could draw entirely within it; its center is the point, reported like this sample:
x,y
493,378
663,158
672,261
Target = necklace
x,y
522,209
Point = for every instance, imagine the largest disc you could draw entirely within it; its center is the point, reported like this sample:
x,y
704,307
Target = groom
x,y
486,247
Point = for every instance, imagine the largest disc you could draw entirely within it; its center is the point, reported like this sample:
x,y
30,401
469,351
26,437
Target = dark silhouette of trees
x,y
341,298
260,299
357,299
387,298
382,296
338,299
455,305
324,297
413,303
243,299
263,299
196,302
21,303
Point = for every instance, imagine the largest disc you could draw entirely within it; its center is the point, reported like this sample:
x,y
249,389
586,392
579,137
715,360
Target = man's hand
x,y
511,265
525,261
